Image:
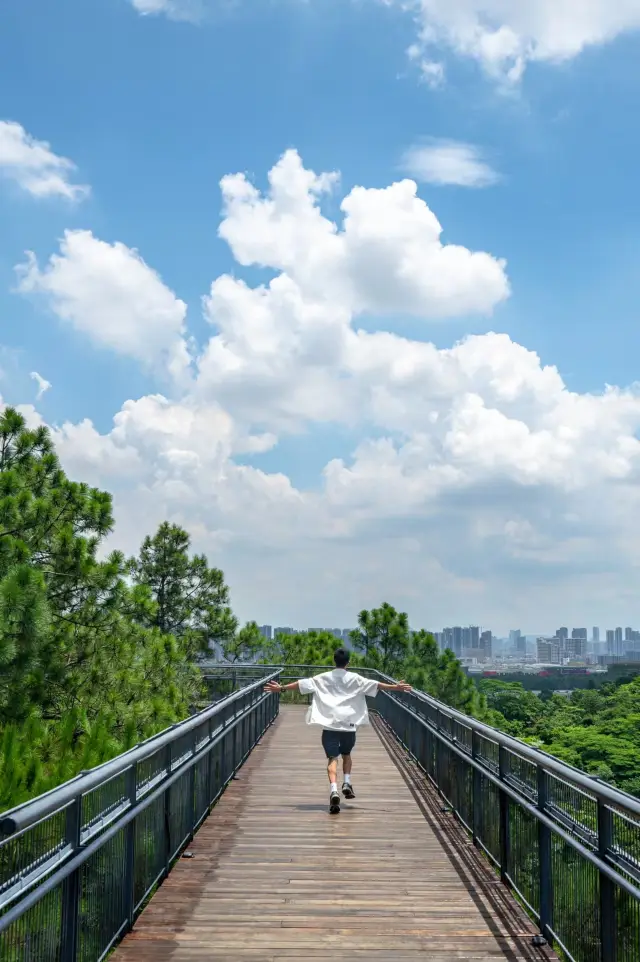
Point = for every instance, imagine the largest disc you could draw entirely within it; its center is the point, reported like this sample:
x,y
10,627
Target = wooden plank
x,y
274,876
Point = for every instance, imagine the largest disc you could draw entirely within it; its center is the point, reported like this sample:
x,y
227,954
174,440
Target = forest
x,y
99,651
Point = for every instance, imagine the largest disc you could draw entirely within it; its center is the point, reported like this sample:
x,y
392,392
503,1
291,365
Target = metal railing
x,y
567,844
78,863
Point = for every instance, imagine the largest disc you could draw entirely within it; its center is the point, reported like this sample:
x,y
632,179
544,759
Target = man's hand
x,y
273,686
403,686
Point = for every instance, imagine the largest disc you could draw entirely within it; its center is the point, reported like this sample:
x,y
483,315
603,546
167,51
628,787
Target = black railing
x,y
77,864
567,844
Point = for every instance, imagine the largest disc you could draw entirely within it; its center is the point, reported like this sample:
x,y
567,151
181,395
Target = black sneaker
x,y
347,790
334,803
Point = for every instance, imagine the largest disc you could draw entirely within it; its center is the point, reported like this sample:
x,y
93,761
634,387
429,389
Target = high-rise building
x,y
447,639
595,635
457,640
562,634
466,638
628,634
549,651
618,643
284,631
486,645
576,646
514,635
266,631
474,639
611,641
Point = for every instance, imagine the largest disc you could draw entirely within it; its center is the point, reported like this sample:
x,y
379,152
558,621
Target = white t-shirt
x,y
339,699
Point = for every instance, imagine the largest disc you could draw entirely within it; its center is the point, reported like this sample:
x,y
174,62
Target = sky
x,y
350,290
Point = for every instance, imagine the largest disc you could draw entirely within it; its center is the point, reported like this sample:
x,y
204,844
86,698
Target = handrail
x,y
21,817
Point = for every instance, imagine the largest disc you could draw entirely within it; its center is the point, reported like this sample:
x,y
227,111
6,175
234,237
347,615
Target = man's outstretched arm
x,y
396,686
277,687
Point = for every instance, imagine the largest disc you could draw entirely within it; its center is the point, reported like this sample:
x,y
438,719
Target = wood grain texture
x,y
274,876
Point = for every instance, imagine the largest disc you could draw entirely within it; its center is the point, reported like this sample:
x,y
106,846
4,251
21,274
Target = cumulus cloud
x,y
504,35
34,166
108,293
444,162
476,472
386,256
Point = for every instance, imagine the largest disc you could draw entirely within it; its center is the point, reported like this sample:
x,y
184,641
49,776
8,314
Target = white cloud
x,y
504,35
480,487
449,162
107,292
33,165
386,257
174,9
43,384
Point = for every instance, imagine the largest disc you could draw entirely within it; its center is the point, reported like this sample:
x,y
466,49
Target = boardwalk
x,y
274,877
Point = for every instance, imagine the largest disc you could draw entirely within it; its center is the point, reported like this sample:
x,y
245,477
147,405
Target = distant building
x,y
618,643
549,650
266,631
611,641
457,640
474,637
285,631
446,639
595,635
562,634
486,645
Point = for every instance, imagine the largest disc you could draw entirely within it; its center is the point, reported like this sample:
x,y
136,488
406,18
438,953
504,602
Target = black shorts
x,y
337,743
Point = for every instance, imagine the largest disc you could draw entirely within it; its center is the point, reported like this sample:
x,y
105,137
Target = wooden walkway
x,y
274,877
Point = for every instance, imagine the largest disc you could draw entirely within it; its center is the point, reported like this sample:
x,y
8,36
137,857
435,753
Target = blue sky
x,y
154,112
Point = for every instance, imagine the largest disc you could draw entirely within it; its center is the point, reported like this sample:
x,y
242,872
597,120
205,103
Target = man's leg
x,y
331,745
348,742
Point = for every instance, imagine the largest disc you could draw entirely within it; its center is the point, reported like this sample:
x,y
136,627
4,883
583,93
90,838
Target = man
x,y
339,706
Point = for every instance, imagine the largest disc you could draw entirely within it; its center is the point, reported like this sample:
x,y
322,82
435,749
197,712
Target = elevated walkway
x,y
274,877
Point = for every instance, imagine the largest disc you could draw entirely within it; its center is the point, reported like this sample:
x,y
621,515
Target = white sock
x,y
334,787
347,779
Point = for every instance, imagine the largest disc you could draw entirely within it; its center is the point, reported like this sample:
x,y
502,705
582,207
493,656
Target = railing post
x,y
192,783
209,766
545,867
167,812
503,768
71,886
608,947
477,789
131,787
437,763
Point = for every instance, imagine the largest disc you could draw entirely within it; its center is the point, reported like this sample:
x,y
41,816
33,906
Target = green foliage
x,y
382,636
190,599
244,645
597,730
303,648
86,668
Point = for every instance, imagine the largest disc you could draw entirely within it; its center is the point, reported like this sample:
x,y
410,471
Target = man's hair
x,y
341,657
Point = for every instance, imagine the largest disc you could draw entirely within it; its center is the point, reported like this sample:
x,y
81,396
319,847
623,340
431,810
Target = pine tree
x,y
382,636
191,600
